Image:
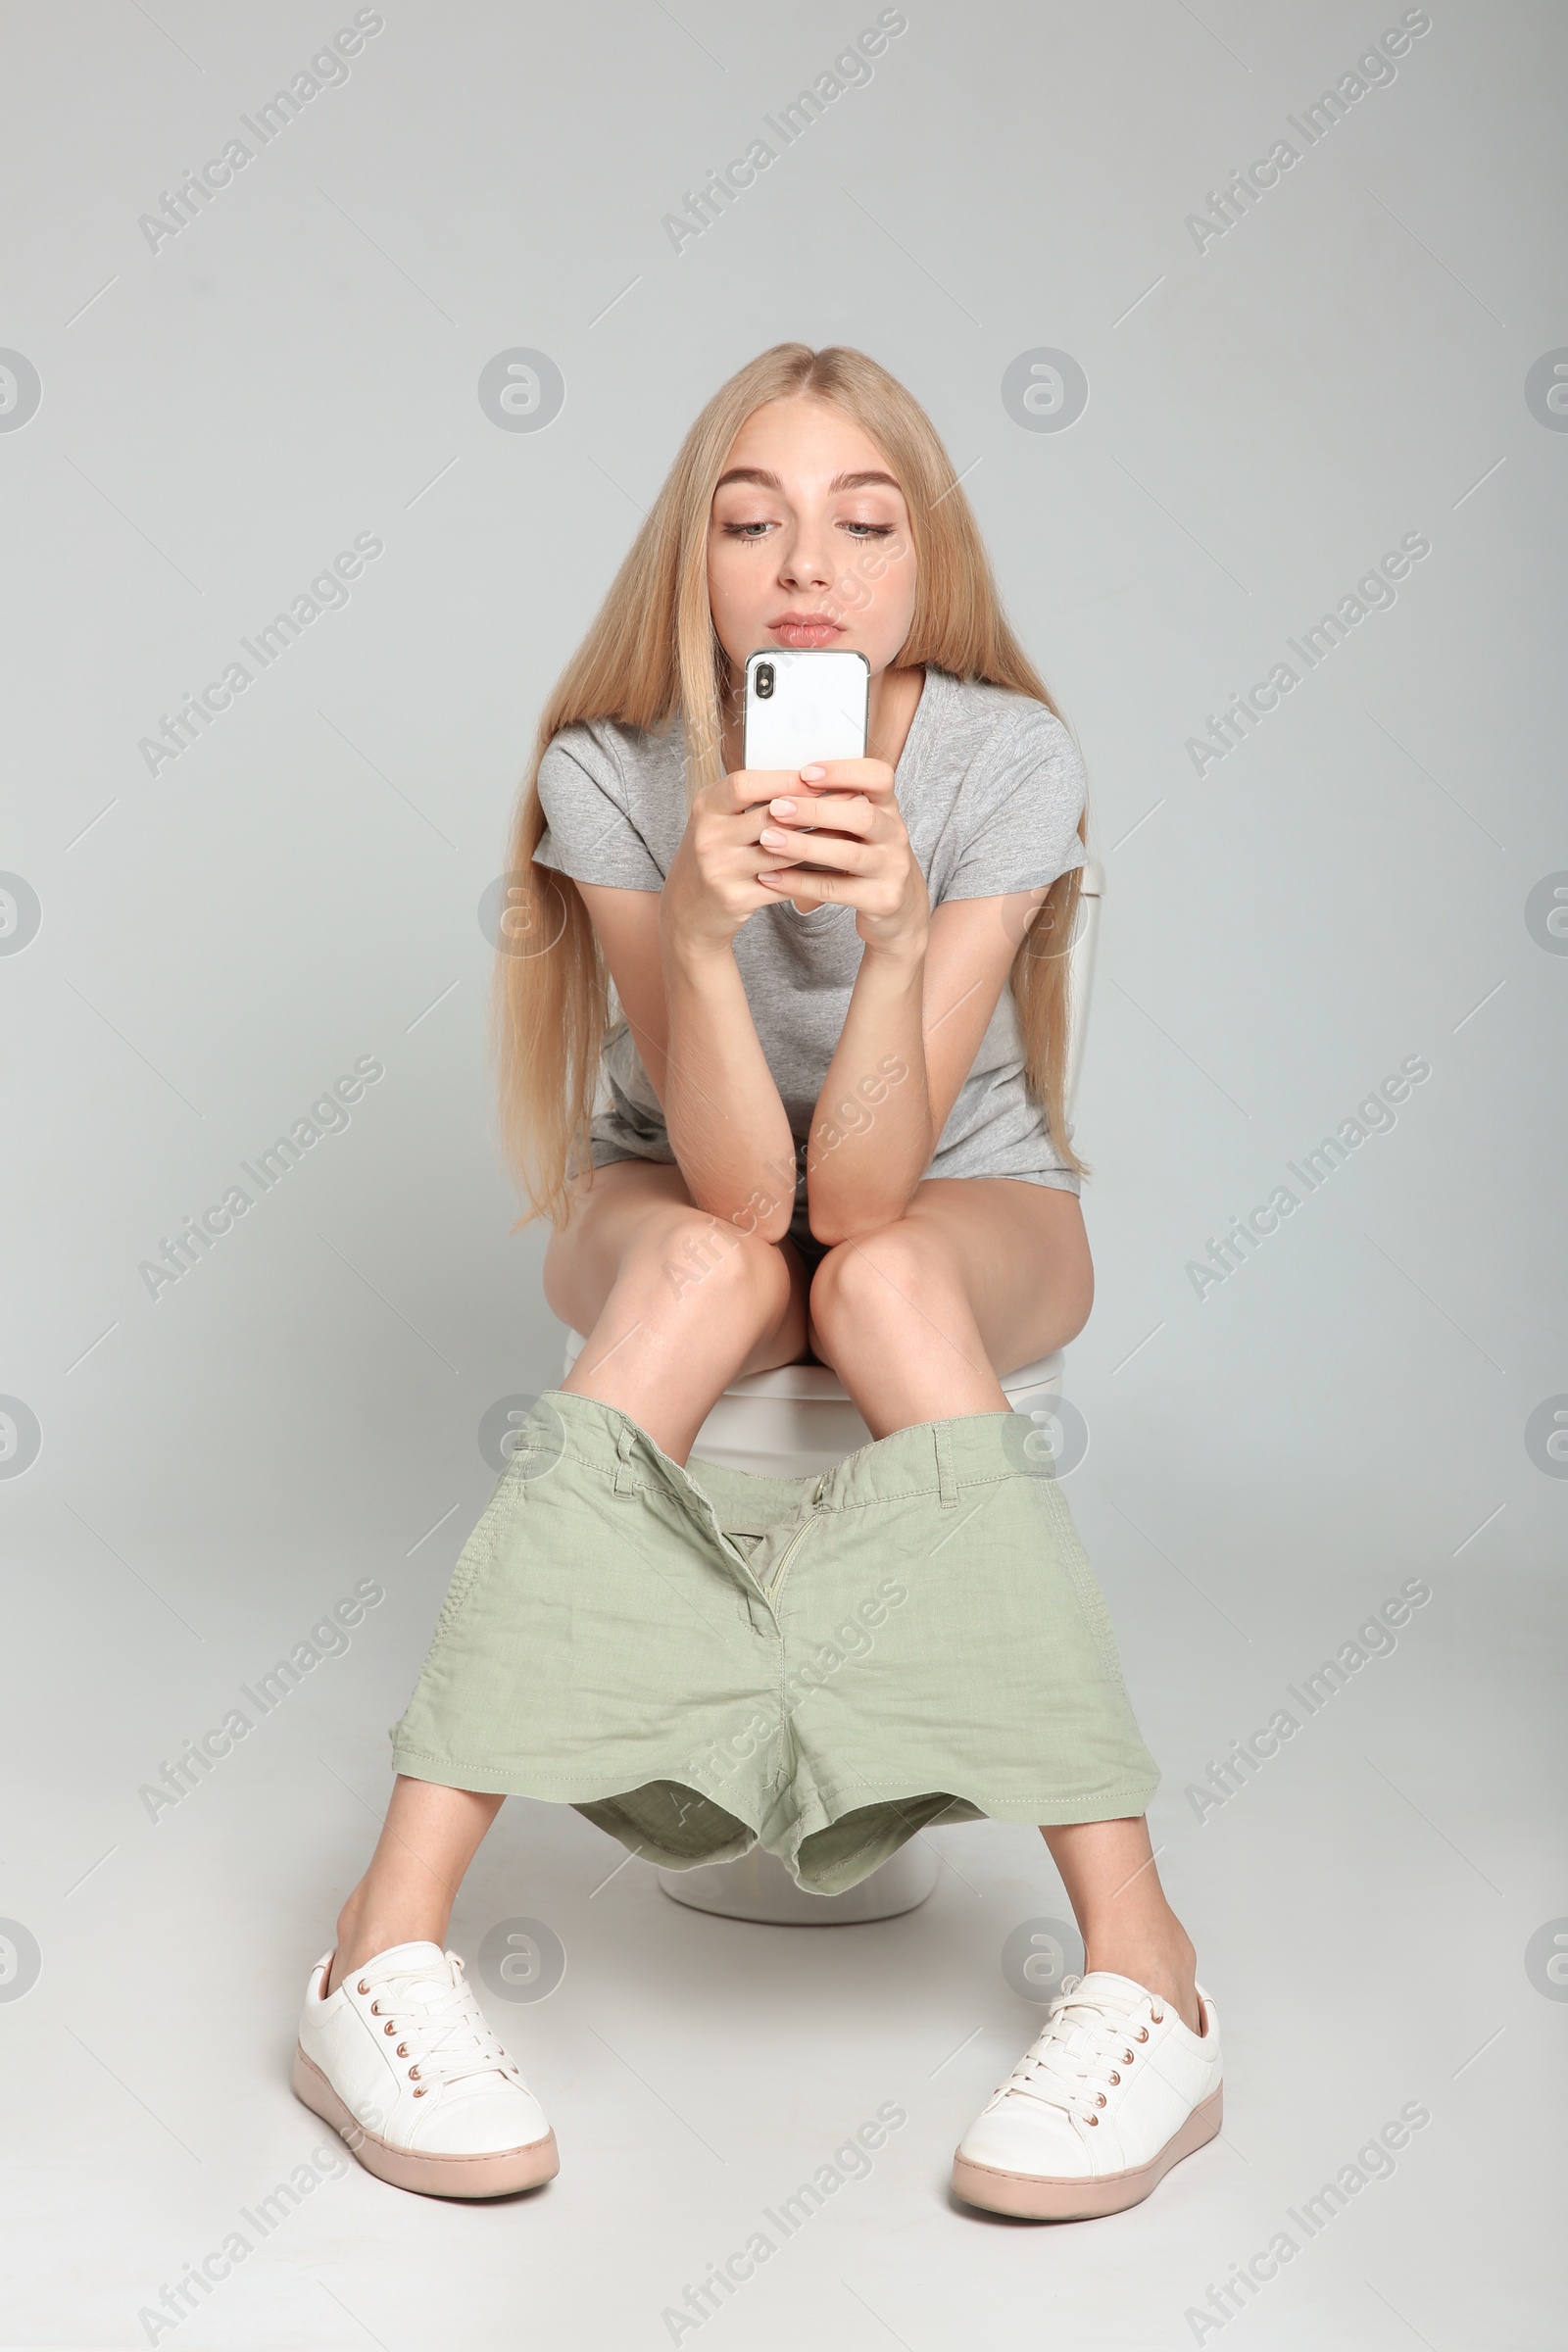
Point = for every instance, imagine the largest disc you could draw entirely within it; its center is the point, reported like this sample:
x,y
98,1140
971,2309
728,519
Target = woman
x,y
835,1130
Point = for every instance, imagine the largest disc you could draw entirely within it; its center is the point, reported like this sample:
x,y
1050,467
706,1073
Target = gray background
x,y
300,889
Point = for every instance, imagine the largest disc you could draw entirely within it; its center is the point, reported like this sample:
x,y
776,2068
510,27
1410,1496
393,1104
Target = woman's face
x,y
808,543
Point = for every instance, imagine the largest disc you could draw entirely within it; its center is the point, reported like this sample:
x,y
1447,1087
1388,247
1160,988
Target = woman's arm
x,y
671,958
927,986
909,1043
727,1124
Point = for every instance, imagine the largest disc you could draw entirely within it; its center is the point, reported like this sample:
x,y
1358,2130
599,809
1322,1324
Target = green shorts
x,y
702,1659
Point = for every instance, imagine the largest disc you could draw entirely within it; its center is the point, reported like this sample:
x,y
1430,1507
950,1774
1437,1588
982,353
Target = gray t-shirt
x,y
990,787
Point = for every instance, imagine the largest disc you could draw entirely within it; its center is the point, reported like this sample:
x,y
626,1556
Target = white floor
x,y
1361,1911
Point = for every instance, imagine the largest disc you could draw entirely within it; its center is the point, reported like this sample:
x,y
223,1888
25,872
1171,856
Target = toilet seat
x,y
798,1420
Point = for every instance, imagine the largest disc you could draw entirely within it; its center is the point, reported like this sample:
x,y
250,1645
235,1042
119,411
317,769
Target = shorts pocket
x,y
1085,1583
510,1490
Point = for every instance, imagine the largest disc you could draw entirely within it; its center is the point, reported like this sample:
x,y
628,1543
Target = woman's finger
x,y
849,813
838,851
744,787
863,892
849,775
795,882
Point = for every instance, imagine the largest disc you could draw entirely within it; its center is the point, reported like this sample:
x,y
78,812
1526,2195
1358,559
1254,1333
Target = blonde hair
x,y
652,651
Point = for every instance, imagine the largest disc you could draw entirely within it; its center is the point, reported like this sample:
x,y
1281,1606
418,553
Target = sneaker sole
x,y
499,2173
1033,2197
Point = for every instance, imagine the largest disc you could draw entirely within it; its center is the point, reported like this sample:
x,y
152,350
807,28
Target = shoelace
x,y
444,2031
1085,2047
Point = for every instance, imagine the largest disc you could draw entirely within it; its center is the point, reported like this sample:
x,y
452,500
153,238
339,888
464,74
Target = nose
x,y
807,562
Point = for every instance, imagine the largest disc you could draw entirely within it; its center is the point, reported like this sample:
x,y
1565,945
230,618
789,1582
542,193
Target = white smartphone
x,y
802,707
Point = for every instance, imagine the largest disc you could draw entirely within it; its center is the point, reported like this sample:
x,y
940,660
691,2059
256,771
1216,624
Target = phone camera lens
x,y
765,680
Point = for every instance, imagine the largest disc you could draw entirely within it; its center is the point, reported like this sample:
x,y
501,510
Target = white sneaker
x,y
401,2061
1112,2093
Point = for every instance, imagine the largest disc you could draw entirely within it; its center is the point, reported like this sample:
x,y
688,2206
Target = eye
x,y
870,530
745,530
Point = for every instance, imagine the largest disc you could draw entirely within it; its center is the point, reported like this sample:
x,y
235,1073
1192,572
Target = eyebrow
x,y
770,481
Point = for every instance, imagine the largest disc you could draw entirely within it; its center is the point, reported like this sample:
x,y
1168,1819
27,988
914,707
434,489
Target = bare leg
x,y
981,1274
675,1306
1127,1926
675,1303
428,1839
918,1319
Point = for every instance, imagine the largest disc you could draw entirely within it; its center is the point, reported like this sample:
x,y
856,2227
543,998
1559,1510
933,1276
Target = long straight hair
x,y
652,652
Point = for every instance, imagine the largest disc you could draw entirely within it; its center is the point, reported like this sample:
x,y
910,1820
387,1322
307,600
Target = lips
x,y
804,630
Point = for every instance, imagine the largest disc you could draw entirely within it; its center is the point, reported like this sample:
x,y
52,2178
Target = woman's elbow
x,y
839,1223
754,1218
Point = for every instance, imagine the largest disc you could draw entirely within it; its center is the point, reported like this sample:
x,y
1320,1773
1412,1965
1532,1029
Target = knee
x,y
690,1256
891,1281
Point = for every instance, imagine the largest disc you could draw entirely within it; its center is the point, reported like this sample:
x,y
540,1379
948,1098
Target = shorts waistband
x,y
939,1458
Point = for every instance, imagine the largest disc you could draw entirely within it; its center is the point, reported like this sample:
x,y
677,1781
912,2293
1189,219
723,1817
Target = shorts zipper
x,y
772,1590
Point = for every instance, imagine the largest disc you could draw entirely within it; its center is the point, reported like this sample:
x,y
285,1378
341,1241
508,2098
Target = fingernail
x,y
771,837
782,807
812,775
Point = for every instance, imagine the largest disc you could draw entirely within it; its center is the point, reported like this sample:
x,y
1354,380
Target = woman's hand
x,y
712,885
860,837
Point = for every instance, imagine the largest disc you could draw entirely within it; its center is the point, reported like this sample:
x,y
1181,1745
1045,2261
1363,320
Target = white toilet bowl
x,y
758,1887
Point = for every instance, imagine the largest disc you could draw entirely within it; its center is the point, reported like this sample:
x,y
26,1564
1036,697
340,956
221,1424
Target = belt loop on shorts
x,y
945,1478
625,1476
